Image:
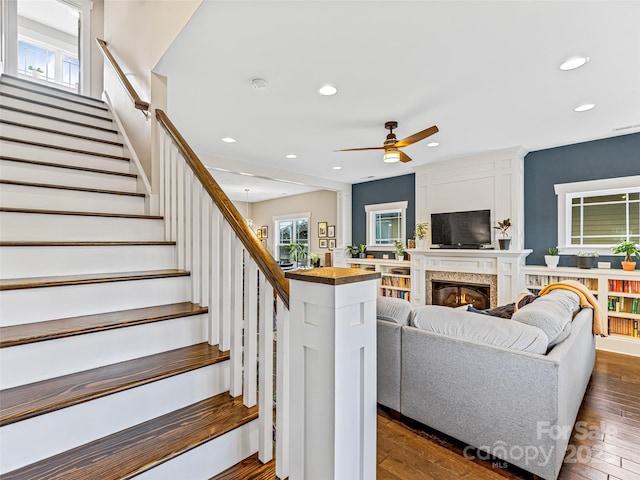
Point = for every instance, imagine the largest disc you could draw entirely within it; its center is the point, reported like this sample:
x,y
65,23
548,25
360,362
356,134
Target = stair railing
x,y
231,273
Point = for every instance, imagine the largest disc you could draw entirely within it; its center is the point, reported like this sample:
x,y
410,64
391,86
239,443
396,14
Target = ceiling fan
x,y
391,145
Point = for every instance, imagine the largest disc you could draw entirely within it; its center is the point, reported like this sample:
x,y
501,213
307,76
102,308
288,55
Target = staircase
x,y
105,367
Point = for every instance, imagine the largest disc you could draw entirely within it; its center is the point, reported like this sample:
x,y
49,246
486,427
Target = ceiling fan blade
x,y
355,149
404,158
416,137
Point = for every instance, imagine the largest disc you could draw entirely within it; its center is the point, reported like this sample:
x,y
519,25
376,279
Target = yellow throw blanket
x,y
587,300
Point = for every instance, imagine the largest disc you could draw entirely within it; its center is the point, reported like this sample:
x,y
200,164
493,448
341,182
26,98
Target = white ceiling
x,y
485,72
50,12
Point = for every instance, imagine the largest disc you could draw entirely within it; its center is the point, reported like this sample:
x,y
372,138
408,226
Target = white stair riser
x,y
20,196
66,141
84,352
211,458
52,155
58,125
60,93
103,121
46,435
40,304
19,262
26,172
54,98
35,226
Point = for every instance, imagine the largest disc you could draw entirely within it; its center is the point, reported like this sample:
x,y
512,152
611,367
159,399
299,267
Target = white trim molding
x,y
381,208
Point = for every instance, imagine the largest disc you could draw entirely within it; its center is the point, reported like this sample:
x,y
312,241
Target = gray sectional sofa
x,y
508,387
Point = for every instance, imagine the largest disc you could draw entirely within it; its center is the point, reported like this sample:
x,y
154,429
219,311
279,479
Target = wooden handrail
x,y
269,267
133,95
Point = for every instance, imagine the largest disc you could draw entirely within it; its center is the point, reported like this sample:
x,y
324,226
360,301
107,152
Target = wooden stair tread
x,y
249,469
68,187
59,119
85,214
67,327
130,452
61,132
50,87
64,149
85,279
57,107
69,167
97,106
27,401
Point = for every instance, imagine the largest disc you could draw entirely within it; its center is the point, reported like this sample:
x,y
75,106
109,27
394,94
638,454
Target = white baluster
x,y
215,251
162,161
235,315
282,391
227,291
180,220
196,248
250,331
265,356
205,249
188,220
173,195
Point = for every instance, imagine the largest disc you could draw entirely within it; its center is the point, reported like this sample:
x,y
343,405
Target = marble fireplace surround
x,y
500,269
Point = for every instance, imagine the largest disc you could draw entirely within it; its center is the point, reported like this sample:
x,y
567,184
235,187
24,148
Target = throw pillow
x,y
504,311
394,310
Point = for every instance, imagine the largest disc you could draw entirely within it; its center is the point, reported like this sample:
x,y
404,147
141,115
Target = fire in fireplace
x,y
455,294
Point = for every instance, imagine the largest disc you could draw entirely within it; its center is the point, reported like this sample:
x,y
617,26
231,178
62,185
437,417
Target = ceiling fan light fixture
x,y
391,155
573,62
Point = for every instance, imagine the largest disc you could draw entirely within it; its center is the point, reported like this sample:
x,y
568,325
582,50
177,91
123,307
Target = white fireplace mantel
x,y
506,265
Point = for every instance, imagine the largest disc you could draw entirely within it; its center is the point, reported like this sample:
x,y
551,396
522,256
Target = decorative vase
x,y
399,257
629,266
421,244
504,243
585,262
363,255
552,260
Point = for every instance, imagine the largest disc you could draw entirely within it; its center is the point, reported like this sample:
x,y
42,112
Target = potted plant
x,y
552,257
315,259
353,249
399,250
586,259
298,253
421,233
362,250
504,226
628,248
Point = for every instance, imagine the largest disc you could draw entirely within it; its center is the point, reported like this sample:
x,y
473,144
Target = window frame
x,y
293,217
372,210
566,192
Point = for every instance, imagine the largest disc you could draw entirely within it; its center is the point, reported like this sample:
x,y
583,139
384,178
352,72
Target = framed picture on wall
x,y
322,229
331,231
265,231
323,243
264,243
332,244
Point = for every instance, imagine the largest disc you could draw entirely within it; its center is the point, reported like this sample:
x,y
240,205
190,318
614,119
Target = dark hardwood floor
x,y
604,446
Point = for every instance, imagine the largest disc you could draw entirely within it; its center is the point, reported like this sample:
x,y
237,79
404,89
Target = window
x,y
52,64
290,229
386,223
598,214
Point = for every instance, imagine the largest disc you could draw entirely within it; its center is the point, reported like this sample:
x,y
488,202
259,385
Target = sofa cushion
x,y
480,328
394,310
552,313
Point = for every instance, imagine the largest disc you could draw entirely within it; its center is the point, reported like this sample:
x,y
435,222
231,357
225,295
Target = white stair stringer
x,y
18,226
26,171
55,137
70,259
46,435
46,196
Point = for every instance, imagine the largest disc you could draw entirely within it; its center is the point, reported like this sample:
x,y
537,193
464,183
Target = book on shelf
x,y
624,286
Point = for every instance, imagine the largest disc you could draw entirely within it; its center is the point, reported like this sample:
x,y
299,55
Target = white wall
x,y
493,180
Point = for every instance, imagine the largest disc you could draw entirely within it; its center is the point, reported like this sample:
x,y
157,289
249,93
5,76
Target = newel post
x,y
333,374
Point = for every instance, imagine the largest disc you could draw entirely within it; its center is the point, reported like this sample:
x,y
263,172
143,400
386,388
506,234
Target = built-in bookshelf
x,y
395,280
617,291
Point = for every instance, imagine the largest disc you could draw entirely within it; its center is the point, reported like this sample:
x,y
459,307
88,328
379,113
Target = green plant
x,y
587,254
398,247
421,230
38,69
314,256
363,248
297,251
353,249
628,248
504,226
553,251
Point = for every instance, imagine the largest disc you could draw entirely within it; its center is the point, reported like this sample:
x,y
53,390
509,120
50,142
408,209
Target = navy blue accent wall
x,y
607,158
394,189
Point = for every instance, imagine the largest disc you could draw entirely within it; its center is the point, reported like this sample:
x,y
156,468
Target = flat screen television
x,y
470,229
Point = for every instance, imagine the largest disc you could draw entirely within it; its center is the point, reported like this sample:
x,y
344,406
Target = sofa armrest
x,y
389,349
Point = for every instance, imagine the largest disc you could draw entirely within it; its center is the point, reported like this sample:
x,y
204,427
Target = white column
x,y
333,374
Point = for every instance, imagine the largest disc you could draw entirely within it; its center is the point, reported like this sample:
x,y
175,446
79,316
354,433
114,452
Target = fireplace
x,y
456,294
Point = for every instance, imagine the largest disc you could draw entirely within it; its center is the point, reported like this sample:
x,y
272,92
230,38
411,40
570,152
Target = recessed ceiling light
x,y
228,140
573,62
259,83
432,144
585,107
328,90
337,167
292,155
